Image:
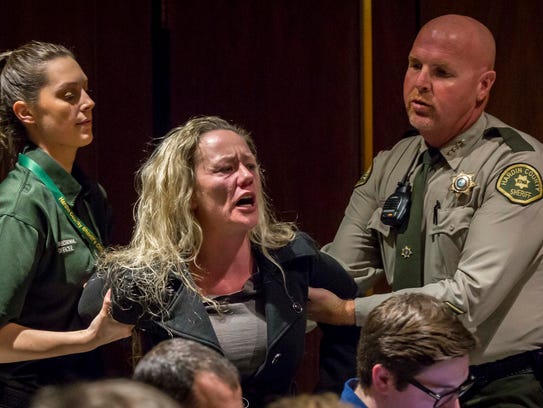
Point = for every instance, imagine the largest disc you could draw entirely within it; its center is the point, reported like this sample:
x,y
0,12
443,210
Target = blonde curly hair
x,y
167,236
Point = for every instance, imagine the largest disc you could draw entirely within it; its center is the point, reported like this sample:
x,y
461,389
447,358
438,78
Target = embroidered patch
x,y
66,246
520,183
364,179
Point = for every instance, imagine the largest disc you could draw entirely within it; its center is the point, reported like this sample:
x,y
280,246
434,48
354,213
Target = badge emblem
x,y
520,183
406,252
462,184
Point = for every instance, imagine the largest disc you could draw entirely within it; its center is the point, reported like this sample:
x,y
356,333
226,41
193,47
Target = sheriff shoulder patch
x,y
520,183
364,178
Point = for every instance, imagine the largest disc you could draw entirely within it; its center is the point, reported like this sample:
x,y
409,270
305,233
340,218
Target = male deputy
x,y
480,235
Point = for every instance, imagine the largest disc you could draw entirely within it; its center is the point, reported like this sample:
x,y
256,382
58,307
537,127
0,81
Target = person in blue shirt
x,y
413,353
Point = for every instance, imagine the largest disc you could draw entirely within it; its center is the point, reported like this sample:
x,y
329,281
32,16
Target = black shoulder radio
x,y
396,207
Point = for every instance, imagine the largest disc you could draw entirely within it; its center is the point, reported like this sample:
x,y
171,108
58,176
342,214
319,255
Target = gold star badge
x,y
462,183
406,252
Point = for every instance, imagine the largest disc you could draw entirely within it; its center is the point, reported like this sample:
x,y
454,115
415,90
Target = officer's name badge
x,y
65,246
520,183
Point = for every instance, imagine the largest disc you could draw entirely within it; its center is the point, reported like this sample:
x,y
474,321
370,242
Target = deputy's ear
x,y
486,81
23,112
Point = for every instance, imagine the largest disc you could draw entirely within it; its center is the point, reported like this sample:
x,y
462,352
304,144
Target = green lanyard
x,y
85,231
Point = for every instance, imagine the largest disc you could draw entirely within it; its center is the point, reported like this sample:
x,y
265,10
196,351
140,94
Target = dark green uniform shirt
x,y
44,260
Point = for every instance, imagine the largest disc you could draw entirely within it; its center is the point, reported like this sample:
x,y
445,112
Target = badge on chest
x,y
462,184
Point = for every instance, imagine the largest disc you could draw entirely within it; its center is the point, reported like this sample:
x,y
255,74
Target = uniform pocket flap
x,y
451,220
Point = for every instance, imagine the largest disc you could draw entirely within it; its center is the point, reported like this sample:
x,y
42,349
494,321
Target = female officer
x,y
53,222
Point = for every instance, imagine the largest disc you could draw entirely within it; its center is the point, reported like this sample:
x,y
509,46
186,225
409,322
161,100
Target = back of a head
x,y
173,365
408,333
118,393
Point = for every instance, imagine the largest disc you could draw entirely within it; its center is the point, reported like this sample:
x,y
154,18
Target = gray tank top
x,y
241,326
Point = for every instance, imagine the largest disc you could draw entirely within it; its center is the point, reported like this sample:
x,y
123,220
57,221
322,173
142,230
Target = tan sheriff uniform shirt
x,y
483,231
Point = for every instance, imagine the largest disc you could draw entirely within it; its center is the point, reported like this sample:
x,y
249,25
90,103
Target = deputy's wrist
x,y
349,315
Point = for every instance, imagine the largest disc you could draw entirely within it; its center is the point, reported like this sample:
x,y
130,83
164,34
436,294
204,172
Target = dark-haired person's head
x,y
113,393
191,373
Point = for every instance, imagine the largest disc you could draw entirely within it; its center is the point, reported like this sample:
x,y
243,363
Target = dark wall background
x,y
289,71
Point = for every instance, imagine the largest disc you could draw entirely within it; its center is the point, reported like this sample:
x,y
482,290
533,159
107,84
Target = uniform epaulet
x,y
511,138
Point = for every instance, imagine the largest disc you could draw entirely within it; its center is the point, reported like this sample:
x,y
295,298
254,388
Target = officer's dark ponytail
x,y
6,147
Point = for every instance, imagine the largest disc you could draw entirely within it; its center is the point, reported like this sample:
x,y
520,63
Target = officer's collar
x,y
65,181
458,147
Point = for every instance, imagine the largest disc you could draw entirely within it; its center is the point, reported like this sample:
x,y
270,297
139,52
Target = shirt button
x,y
276,358
297,307
451,228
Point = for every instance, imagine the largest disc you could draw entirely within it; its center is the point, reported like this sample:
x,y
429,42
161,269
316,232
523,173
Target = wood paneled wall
x,y
288,72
